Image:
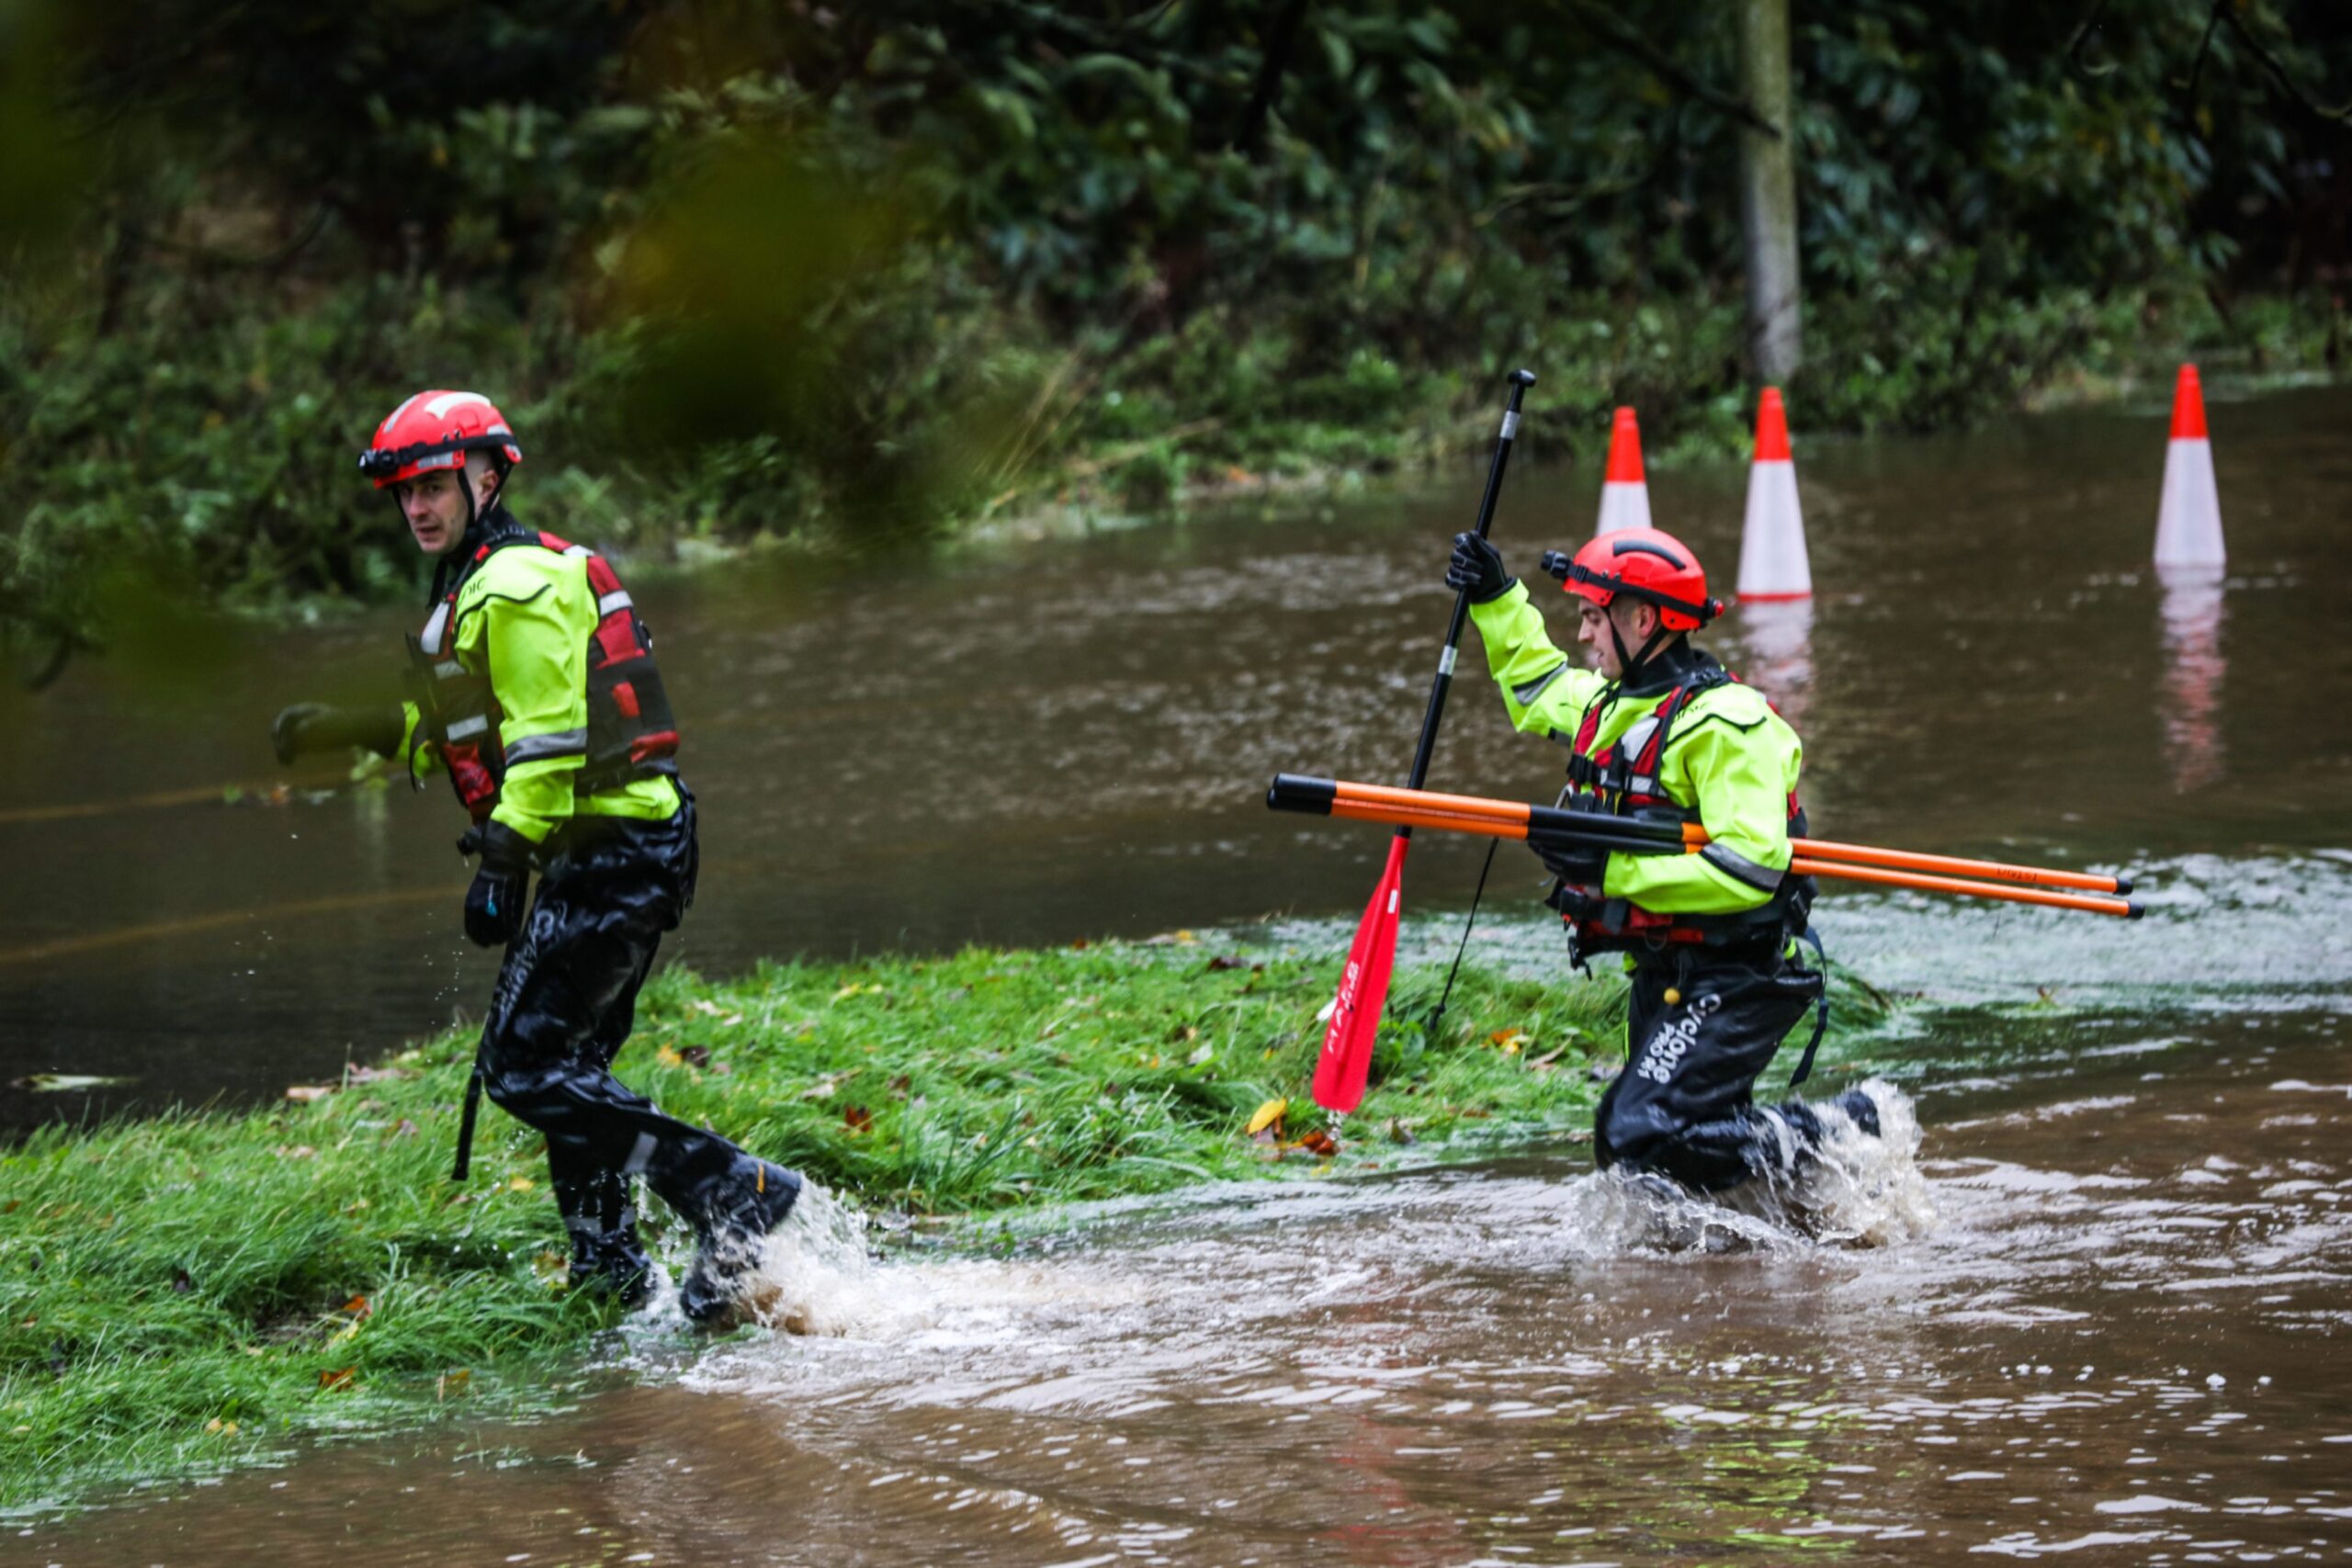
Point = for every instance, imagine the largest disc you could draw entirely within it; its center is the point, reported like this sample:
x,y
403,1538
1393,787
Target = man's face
x,y
436,509
1635,621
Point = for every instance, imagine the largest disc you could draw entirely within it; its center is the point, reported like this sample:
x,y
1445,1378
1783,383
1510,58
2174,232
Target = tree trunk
x,y
1768,192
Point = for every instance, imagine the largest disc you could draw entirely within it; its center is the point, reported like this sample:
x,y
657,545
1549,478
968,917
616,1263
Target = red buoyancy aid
x,y
1622,779
630,733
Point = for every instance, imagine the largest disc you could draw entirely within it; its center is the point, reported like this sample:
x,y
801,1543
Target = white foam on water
x,y
1856,1190
816,1275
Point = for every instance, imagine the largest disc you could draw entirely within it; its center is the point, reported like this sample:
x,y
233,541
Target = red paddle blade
x,y
1346,1062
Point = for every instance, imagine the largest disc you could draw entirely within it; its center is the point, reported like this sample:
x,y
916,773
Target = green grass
x,y
192,1291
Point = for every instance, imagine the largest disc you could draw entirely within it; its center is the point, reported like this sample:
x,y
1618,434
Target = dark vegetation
x,y
862,275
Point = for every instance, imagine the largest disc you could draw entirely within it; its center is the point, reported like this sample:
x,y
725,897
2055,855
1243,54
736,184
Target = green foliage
x,y
853,277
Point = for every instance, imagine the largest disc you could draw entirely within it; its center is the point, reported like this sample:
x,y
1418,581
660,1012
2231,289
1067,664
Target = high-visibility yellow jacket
x,y
1728,758
524,620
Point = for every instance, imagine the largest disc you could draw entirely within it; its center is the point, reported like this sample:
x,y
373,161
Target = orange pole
x,y
1509,819
1952,866
1470,806
2122,908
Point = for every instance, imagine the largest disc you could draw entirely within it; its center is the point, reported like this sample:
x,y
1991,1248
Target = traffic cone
x,y
1772,560
1624,495
2189,518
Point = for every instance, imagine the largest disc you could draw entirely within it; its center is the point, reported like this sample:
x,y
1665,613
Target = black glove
x,y
1581,865
494,903
1477,569
315,727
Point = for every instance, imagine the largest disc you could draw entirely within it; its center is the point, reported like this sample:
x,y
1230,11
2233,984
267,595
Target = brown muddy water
x,y
1072,738
2104,1313
2106,1326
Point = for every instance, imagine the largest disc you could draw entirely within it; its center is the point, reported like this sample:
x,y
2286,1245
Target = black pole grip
x,y
1297,791
1519,381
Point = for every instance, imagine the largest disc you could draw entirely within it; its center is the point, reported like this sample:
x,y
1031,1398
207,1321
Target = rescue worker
x,y
533,685
1658,729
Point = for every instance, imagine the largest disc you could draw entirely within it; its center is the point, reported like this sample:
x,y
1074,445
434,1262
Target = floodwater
x,y
2098,1311
1065,739
2105,1322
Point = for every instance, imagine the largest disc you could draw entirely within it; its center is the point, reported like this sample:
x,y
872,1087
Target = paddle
x,y
1346,1061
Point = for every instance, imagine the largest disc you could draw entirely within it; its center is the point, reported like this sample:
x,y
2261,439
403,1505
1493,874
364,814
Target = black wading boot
x,y
615,1265
730,1237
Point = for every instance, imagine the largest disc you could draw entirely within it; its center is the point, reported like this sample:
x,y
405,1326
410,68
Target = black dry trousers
x,y
567,998
1683,1106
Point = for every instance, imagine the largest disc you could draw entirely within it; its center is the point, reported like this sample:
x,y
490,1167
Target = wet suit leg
x,y
566,1000
1683,1105
595,1201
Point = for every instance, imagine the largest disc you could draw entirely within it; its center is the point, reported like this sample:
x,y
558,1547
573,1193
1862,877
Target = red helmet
x,y
436,430
1649,564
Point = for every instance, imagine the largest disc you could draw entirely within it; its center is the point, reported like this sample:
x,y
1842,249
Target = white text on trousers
x,y
1673,1041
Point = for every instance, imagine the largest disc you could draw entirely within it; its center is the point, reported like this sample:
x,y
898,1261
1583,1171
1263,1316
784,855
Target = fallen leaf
x,y
405,1129
1267,1115
1506,1039
696,1056
56,1083
449,1383
1221,963
856,1118
1400,1134
294,1151
668,1056
899,1086
304,1093
357,1307
1081,945
1202,1053
1320,1144
707,1008
1546,1059
1602,1072
342,1378
355,1074
520,1184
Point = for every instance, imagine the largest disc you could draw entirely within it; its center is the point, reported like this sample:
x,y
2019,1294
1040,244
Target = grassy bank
x,y
191,1292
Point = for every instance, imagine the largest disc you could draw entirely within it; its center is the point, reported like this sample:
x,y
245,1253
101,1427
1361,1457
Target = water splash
x,y
1855,1189
815,1275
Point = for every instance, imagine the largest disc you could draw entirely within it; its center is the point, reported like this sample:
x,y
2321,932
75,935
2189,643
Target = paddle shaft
x,y
1519,381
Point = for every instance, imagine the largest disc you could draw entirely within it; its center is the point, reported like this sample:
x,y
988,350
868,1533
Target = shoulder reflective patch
x,y
555,743
612,601
435,628
466,728
1637,734
1532,690
1731,863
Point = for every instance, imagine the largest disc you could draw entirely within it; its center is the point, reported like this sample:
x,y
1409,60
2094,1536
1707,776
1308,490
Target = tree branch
x,y
2081,35
2225,11
1605,23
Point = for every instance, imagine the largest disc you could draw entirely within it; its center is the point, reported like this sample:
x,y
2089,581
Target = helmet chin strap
x,y
1629,665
